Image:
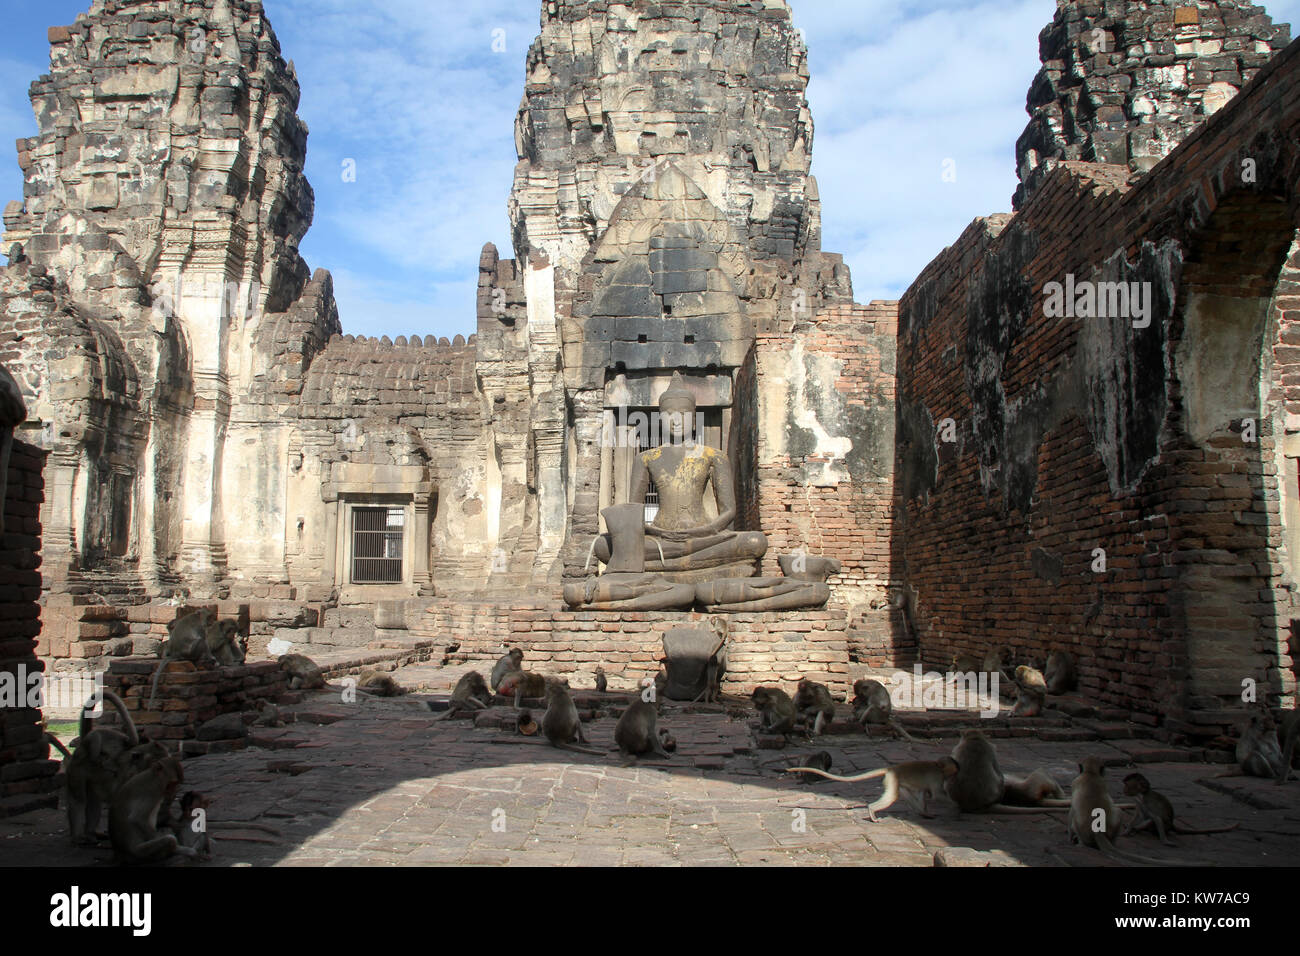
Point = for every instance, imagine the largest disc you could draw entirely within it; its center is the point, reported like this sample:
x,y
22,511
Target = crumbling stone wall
x,y
1125,82
1133,438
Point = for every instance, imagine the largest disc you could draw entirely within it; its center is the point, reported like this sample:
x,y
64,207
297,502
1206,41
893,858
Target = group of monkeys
x,y
637,733
1031,684
137,782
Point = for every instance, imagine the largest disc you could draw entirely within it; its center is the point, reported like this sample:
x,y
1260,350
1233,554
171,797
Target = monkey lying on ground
x,y
1060,673
1095,819
379,685
1032,692
873,705
510,662
1155,811
814,706
198,637
775,709
91,772
303,672
133,815
470,693
1038,789
638,732
917,781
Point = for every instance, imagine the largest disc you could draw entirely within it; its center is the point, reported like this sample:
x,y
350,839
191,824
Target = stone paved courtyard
x,y
384,783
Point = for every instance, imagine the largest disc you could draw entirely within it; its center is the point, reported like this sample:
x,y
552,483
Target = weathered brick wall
x,y
26,773
764,649
189,697
1076,434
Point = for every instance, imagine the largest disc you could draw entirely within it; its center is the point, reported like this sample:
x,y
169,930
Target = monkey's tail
x,y
830,776
54,741
1104,844
898,728
153,688
582,750
128,724
1179,828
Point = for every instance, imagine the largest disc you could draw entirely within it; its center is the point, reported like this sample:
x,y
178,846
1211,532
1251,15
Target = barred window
x,y
377,538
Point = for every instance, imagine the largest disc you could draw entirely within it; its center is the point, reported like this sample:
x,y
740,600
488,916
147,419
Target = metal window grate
x,y
377,545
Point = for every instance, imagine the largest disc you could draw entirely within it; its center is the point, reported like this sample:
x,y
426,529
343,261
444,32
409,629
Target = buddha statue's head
x,y
677,412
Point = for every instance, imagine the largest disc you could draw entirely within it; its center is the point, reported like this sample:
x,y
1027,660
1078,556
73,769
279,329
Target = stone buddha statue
x,y
682,543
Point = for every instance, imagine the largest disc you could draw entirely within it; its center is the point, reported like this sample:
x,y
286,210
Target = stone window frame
x,y
406,487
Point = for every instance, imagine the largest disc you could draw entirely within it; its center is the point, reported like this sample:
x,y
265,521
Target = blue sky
x,y
413,93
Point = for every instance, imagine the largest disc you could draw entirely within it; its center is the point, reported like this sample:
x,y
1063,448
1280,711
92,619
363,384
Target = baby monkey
x,y
1155,810
917,781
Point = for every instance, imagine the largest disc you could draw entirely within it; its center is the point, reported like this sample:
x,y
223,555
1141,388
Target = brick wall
x,y
764,649
1079,434
26,773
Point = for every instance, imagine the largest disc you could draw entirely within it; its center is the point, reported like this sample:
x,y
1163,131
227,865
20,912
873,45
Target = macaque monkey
x,y
964,664
192,827
872,705
815,706
776,710
918,781
819,761
303,672
523,684
1060,673
637,732
470,693
978,785
561,724
1038,789
512,661
379,685
601,683
1032,692
133,815
1155,811
91,773
1258,752
996,661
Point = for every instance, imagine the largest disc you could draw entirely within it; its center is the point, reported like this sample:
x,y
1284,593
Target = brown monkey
x,y
978,785
1033,692
379,685
470,693
188,640
512,661
775,709
1258,752
561,724
1155,810
818,761
964,664
1060,673
996,661
637,731
192,827
133,815
814,706
601,683
523,684
873,705
1035,790
91,773
303,672
917,781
